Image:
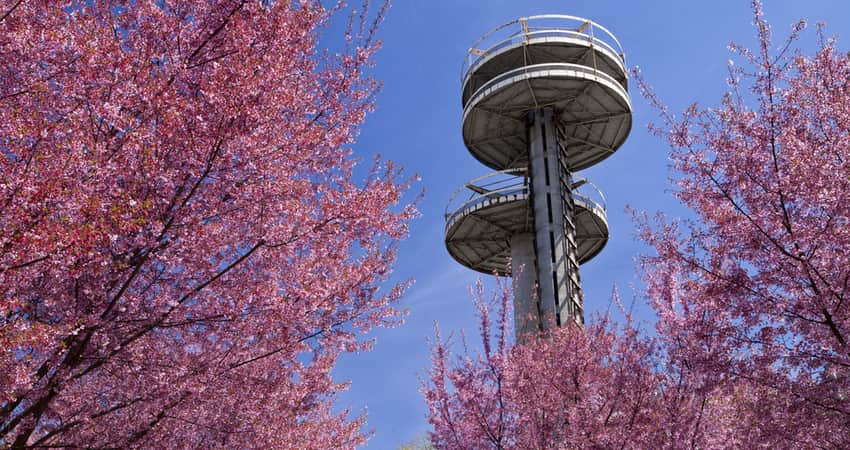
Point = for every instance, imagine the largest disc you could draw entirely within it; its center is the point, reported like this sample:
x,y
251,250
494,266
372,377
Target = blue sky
x,y
681,48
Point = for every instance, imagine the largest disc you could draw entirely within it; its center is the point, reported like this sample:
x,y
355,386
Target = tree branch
x,y
9,12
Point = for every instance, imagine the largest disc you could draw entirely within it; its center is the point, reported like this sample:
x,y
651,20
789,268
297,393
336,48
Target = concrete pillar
x,y
559,295
524,278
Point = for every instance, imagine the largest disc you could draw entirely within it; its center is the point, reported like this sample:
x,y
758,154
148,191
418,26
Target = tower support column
x,y
559,297
524,275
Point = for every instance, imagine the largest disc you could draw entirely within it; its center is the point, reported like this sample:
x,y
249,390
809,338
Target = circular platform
x,y
540,40
479,231
594,114
591,228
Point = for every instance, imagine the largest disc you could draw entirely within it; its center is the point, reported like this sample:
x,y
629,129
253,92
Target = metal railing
x,y
589,194
502,183
536,68
513,182
532,27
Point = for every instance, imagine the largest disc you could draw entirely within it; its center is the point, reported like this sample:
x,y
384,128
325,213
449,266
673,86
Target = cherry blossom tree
x,y
751,346
603,386
754,294
184,248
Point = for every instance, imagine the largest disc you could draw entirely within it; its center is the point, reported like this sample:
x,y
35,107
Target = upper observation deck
x,y
568,63
486,212
542,39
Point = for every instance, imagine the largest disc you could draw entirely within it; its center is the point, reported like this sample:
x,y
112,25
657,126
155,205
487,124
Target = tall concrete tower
x,y
543,97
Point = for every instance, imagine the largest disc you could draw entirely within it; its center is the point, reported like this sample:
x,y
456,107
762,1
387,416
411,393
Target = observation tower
x,y
543,97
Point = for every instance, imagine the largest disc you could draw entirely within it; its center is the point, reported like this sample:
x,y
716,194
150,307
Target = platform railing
x,y
527,28
486,188
537,68
513,182
589,194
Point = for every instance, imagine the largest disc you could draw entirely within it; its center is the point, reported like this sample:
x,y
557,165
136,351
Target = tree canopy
x,y
184,250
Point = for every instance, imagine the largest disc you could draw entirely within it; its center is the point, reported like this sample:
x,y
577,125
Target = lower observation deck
x,y
479,227
594,114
